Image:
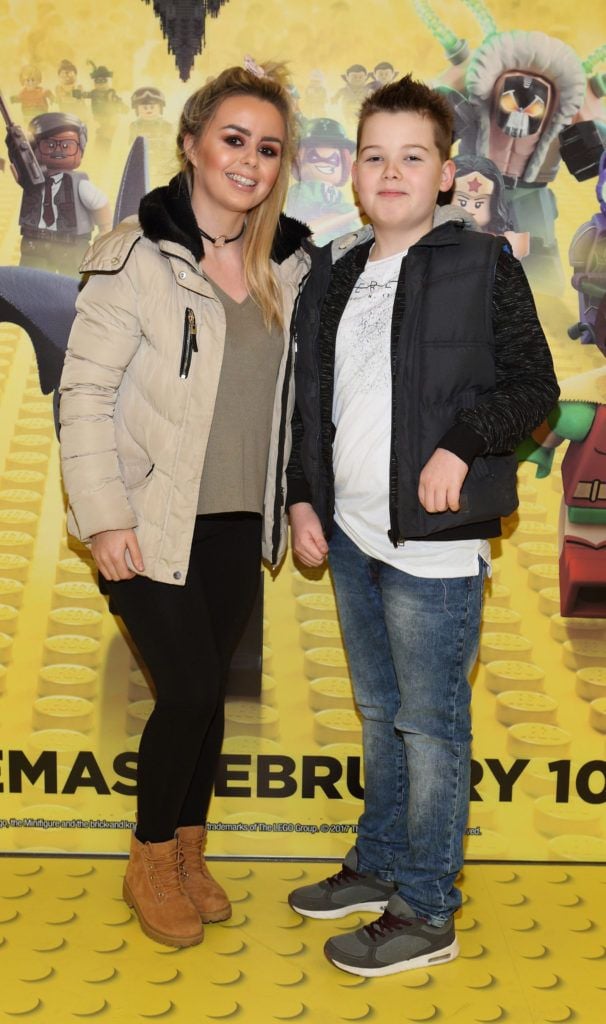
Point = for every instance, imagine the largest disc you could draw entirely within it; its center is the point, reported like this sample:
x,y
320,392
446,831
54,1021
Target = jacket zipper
x,y
189,345
398,315
394,531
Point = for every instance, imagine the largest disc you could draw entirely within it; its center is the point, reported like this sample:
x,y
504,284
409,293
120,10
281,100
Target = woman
x,y
176,395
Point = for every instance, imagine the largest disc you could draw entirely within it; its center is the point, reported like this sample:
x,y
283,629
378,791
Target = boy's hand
x,y
441,480
109,550
308,540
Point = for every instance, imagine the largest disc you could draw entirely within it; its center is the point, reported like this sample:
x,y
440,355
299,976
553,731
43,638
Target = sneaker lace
x,y
388,922
344,875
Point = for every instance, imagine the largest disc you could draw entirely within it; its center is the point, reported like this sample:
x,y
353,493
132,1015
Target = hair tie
x,y
255,69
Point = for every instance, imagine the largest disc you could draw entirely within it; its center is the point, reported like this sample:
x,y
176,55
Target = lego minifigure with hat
x,y
57,217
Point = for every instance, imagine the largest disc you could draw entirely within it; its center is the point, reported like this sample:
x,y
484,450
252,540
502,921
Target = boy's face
x,y
399,172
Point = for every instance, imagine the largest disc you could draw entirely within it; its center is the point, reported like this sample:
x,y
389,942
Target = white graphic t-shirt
x,y
362,418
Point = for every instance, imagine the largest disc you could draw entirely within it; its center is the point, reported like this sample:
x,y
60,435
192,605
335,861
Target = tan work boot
x,y
208,897
153,887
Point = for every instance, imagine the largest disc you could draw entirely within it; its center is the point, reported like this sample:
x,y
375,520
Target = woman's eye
x,y
233,140
268,151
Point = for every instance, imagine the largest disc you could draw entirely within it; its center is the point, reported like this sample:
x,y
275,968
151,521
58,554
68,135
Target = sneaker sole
x,y
373,907
441,956
167,940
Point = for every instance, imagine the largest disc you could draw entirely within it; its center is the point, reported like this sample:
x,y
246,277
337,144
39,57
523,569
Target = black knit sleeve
x,y
525,389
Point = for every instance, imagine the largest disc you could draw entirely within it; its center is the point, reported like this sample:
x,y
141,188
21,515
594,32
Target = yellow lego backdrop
x,y
73,700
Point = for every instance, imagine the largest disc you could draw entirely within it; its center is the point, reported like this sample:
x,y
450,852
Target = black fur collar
x,y
166,213
290,235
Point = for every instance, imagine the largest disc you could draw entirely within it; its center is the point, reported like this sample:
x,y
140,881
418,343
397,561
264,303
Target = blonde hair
x,y
262,222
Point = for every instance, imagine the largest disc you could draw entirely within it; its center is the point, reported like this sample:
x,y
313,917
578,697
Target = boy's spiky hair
x,y
408,95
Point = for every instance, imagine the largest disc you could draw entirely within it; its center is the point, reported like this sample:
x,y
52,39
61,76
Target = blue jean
x,y
411,643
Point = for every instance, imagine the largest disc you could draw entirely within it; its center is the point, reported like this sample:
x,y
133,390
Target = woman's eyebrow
x,y
248,133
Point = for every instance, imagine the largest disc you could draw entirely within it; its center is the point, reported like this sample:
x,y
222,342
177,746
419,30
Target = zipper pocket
x,y
190,344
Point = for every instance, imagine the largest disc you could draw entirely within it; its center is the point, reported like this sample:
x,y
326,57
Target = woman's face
x,y
236,160
473,192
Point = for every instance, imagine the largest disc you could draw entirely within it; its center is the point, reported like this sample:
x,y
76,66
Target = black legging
x,y
186,636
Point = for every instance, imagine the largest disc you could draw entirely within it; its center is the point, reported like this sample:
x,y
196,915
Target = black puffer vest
x,y
442,362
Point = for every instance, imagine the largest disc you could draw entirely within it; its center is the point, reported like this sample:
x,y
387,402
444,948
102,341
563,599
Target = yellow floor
x,y
532,952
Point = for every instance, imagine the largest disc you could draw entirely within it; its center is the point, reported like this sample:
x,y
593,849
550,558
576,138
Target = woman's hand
x,y
109,551
308,540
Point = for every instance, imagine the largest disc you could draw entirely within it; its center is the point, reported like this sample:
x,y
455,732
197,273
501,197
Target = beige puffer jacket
x,y
133,432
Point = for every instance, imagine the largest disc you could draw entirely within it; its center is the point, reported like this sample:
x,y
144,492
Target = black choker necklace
x,y
222,240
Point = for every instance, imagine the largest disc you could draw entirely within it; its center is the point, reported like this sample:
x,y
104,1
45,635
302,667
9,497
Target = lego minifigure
x,y
382,74
148,102
33,97
525,100
321,170
57,216
579,418
357,87
315,96
67,73
587,254
106,104
478,189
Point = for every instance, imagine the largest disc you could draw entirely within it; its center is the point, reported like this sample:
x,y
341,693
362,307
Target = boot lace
x,y
191,853
164,874
387,923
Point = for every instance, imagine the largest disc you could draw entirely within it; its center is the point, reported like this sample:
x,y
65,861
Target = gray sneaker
x,y
397,941
344,893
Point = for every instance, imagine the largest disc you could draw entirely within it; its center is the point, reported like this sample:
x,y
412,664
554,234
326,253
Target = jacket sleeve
x,y
525,389
297,487
104,338
304,415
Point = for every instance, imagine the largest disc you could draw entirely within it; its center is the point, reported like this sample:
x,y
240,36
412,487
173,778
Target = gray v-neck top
x,y
235,467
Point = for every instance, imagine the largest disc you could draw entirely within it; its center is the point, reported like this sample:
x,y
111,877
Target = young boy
x,y
425,369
